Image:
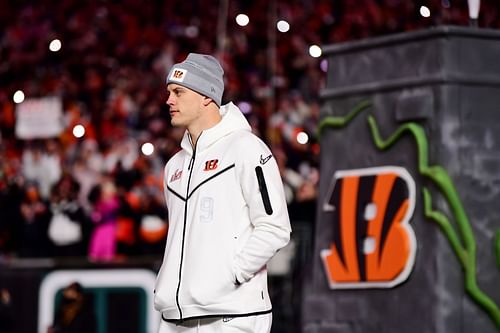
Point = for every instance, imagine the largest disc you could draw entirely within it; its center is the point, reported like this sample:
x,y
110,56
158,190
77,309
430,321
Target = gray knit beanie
x,y
201,73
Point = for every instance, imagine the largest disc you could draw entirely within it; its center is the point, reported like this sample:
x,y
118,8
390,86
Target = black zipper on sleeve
x,y
263,190
190,168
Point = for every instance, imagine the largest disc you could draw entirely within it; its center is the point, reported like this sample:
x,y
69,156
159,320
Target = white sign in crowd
x,y
39,118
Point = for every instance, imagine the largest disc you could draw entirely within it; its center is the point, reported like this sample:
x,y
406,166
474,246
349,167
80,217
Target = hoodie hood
x,y
232,120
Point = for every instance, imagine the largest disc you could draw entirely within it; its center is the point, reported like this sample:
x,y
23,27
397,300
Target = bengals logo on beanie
x,y
178,75
373,243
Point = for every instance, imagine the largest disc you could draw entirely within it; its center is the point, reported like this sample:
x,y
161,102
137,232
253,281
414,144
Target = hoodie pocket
x,y
211,285
208,274
165,288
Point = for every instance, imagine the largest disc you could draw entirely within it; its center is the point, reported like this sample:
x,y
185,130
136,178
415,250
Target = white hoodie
x,y
227,218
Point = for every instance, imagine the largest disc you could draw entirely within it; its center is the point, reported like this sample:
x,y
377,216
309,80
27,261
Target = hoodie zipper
x,y
190,168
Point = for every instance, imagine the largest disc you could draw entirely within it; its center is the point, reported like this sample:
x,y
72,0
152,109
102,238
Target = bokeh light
x,y
78,131
425,11
192,31
324,65
242,20
302,138
147,148
245,107
315,51
18,97
283,26
55,45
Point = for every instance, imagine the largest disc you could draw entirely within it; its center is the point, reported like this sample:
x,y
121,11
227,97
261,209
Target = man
x,y
227,211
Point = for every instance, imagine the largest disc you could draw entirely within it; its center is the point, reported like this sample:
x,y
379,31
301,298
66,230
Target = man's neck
x,y
212,118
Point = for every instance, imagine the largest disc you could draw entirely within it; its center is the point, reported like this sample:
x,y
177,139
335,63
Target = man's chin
x,y
175,123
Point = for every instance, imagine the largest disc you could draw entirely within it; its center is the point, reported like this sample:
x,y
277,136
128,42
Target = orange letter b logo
x,y
373,244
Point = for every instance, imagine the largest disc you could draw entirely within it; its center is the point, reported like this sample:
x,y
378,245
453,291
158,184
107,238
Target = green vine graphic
x,y
338,122
461,241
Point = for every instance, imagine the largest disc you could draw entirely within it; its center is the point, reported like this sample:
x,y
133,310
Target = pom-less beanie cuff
x,y
201,73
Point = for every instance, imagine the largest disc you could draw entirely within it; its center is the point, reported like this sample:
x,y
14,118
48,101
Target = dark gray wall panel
x,y
447,80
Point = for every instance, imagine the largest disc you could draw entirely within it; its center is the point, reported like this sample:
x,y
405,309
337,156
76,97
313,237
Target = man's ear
x,y
206,100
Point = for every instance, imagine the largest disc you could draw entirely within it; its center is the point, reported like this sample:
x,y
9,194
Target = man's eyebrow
x,y
177,89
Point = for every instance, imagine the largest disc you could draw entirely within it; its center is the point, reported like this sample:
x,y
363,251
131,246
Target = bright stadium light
x,y
242,20
302,138
18,97
55,45
147,148
315,51
283,26
425,11
78,131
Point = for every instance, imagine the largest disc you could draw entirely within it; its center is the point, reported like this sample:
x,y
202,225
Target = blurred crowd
x,y
99,195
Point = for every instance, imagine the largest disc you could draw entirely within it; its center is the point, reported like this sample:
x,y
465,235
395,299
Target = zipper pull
x,y
191,162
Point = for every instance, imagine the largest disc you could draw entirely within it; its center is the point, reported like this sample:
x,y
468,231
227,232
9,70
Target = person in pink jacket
x,y
102,245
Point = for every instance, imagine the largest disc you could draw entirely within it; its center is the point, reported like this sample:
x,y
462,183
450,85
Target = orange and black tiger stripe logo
x,y
373,244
